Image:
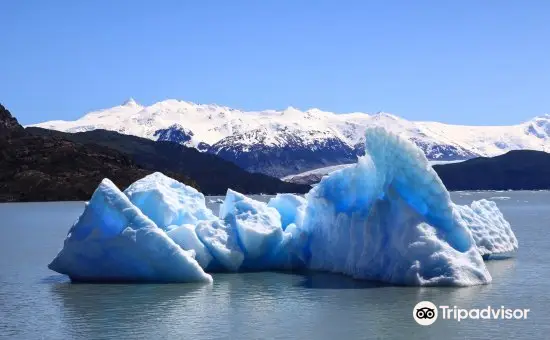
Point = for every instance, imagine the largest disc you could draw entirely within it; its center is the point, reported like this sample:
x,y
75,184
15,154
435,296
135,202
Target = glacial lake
x,y
36,303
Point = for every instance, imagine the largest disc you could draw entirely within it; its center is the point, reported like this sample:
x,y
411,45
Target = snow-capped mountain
x,y
283,150
290,141
176,133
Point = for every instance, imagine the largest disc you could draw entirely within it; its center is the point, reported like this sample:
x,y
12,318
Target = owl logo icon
x,y
425,313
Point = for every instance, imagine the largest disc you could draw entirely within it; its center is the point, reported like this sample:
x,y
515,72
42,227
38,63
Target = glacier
x,y
387,218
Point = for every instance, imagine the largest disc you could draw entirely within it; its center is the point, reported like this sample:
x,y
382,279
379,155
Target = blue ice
x,y
387,218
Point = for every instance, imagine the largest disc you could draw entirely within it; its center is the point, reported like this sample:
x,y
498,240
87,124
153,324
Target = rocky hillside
x,y
39,168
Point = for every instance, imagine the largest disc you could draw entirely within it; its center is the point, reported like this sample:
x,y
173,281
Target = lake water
x,y
37,303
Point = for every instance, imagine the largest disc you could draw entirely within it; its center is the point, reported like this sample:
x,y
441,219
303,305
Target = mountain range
x,y
45,165
290,141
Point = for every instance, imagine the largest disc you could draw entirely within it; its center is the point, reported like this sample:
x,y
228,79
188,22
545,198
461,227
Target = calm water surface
x,y
37,303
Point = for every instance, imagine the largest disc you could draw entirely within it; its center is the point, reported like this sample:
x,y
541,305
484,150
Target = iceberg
x,y
387,218
114,241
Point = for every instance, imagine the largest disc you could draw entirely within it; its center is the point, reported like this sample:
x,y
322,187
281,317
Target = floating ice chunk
x,y
492,233
113,241
387,218
502,198
258,226
186,237
167,201
390,218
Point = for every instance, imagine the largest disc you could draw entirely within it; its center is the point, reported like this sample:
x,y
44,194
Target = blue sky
x,y
468,62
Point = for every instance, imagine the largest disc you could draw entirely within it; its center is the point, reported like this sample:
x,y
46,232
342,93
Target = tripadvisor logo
x,y
425,313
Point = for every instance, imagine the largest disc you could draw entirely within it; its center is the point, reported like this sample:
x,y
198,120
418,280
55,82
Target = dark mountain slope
x,y
212,174
9,127
45,168
515,170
